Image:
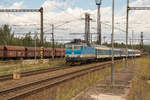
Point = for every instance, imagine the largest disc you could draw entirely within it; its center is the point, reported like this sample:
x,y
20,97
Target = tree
x,y
6,37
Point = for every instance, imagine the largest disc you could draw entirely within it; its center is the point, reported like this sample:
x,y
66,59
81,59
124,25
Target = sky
x,y
68,17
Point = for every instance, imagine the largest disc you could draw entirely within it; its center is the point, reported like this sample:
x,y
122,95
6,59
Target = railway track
x,y
32,87
34,72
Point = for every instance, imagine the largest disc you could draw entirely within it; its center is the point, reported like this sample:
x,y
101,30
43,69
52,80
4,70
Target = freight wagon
x,y
2,52
13,52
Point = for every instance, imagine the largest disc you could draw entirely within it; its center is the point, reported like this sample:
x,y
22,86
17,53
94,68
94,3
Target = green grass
x,y
140,89
8,68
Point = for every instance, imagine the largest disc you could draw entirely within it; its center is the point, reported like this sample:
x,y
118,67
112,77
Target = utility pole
x,y
141,44
112,39
127,20
104,39
132,46
53,45
87,28
91,38
130,42
132,39
98,3
42,33
35,46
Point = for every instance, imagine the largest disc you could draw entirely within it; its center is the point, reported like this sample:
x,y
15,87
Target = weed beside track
x,y
140,88
8,67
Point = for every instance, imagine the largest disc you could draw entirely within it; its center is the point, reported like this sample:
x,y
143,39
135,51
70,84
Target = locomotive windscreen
x,y
73,47
68,46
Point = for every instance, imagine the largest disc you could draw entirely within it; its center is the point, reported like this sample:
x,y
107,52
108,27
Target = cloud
x,y
50,5
72,19
17,5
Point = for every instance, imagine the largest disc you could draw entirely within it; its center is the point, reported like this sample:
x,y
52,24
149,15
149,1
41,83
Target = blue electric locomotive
x,y
77,54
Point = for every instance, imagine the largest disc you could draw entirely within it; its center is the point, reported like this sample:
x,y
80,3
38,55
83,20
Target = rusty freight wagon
x,y
59,52
1,51
31,52
14,52
48,52
62,52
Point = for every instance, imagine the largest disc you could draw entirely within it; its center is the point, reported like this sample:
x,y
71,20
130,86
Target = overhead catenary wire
x,y
62,24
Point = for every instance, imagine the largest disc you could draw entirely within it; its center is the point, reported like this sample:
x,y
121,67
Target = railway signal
x,y
42,53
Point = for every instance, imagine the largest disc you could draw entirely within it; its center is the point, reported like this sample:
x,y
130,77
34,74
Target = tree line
x,y
145,48
7,37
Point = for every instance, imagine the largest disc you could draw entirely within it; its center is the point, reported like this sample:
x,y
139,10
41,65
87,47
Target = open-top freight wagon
x,y
10,52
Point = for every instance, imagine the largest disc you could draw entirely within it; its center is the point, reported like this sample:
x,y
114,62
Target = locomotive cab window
x,y
68,46
76,47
